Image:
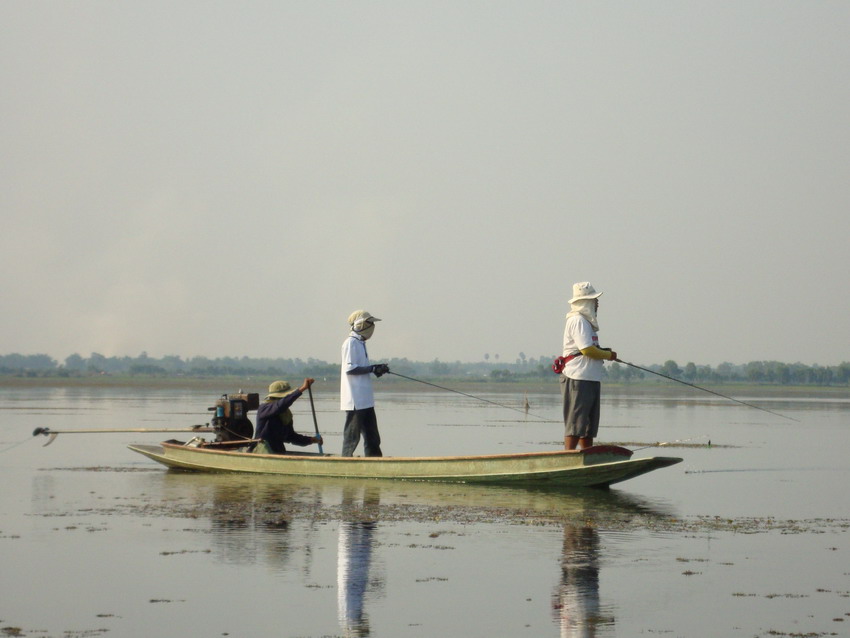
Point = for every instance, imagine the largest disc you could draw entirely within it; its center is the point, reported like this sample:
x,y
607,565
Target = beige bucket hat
x,y
584,290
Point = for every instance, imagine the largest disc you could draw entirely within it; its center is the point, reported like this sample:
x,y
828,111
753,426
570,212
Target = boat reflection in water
x,y
354,558
251,525
260,519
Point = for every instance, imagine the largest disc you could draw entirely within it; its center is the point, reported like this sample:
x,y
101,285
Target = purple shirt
x,y
275,432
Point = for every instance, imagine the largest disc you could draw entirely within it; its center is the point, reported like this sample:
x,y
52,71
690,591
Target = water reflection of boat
x,y
598,466
272,501
254,517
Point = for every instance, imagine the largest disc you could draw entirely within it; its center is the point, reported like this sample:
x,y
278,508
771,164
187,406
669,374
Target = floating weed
x,y
431,579
795,634
239,515
186,551
417,546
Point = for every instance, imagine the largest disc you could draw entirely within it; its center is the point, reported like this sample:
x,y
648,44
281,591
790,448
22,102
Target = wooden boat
x,y
598,466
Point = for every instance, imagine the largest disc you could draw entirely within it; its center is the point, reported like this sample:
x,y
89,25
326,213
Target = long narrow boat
x,y
598,466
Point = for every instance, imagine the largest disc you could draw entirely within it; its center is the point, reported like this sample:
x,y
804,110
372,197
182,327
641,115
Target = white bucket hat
x,y
584,290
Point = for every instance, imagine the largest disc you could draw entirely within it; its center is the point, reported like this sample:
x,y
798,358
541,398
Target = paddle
x,y
315,422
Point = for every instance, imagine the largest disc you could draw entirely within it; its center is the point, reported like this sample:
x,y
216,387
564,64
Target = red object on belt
x,y
560,362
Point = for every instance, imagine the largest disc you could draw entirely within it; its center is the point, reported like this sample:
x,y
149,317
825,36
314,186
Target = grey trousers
x,y
581,407
361,422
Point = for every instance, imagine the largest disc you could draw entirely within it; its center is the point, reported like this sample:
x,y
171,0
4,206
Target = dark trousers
x,y
581,407
361,422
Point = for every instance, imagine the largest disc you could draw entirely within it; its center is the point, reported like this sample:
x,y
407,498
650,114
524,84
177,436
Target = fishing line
x,y
501,405
750,405
14,445
663,443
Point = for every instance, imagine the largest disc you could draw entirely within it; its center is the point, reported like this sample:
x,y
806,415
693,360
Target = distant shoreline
x,y
228,384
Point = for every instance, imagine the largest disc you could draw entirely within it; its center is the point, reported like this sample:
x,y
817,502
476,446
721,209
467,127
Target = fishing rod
x,y
501,405
52,434
750,405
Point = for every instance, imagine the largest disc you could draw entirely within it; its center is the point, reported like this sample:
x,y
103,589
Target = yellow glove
x,y
594,352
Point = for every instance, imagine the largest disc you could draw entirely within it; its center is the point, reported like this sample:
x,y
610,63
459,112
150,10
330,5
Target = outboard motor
x,y
231,422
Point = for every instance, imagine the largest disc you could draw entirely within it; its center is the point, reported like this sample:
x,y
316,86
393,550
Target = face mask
x,y
587,309
364,329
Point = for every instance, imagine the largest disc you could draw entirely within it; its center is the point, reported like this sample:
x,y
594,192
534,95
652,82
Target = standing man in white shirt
x,y
581,377
355,387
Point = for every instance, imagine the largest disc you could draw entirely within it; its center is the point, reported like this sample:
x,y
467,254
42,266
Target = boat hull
x,y
599,466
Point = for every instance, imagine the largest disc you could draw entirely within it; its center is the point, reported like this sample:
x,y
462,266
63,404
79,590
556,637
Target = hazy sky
x,y
235,178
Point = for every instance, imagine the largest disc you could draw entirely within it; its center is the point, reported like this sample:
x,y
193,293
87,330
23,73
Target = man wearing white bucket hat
x,y
355,387
582,362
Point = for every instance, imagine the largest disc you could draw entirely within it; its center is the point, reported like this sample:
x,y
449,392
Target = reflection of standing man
x,y
354,557
355,387
576,601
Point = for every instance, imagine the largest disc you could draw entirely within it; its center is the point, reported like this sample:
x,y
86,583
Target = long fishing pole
x,y
501,405
750,405
52,434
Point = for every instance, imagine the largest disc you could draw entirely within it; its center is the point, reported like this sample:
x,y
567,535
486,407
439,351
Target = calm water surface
x,y
747,537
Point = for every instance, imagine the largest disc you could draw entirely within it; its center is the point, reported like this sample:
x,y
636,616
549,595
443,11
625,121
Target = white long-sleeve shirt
x,y
355,390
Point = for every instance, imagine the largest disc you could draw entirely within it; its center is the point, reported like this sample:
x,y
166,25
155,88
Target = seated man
x,y
274,418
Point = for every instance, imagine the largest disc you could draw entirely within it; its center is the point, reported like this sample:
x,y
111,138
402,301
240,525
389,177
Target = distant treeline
x,y
523,368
